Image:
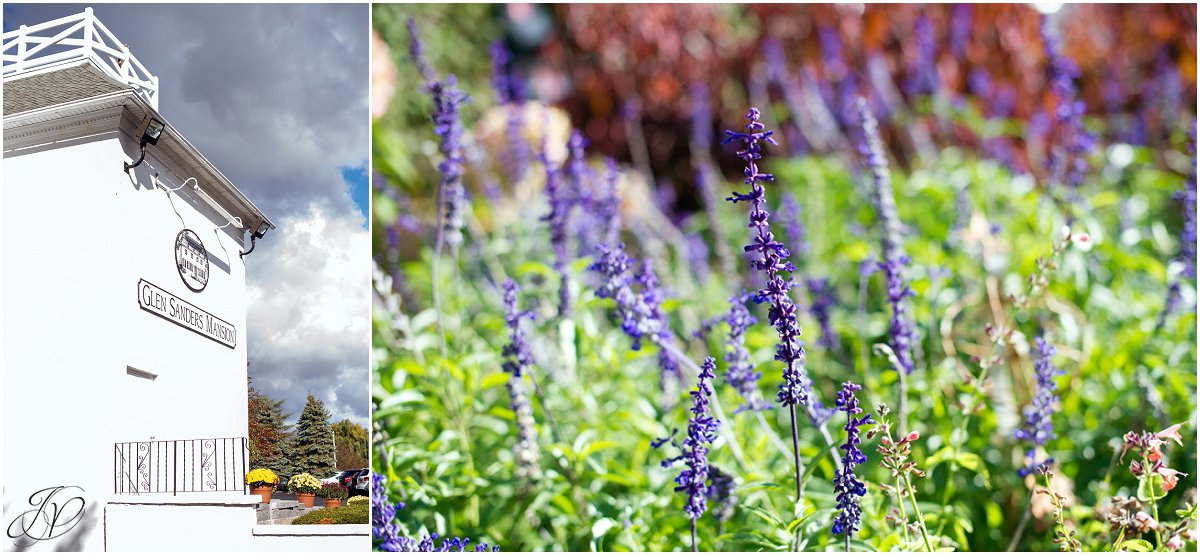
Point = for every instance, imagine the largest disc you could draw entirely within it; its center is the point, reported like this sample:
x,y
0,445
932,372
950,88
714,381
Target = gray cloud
x,y
276,97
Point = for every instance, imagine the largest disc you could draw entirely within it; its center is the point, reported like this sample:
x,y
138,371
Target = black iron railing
x,y
180,466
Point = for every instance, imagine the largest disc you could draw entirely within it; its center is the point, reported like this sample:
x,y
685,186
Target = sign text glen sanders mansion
x,y
130,436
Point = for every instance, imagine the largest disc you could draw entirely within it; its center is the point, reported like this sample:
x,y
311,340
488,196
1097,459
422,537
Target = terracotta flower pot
x,y
306,499
333,503
264,491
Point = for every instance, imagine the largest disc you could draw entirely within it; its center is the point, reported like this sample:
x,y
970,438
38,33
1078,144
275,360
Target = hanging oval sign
x,y
191,259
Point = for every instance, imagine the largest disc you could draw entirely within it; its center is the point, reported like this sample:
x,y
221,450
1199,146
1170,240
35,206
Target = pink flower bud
x,y
912,436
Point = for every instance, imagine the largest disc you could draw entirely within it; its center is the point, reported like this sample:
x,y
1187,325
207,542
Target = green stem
x,y
901,494
1153,501
911,493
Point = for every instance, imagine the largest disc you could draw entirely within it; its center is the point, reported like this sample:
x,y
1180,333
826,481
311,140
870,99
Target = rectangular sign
x,y
154,299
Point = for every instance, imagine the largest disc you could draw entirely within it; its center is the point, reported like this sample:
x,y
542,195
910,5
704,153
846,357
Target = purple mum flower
x,y
448,127
772,261
894,260
1038,426
846,485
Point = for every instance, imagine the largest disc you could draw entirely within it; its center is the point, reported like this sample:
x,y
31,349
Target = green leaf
x,y
1138,545
1150,488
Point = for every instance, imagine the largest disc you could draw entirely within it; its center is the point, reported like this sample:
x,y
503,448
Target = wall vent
x,y
137,373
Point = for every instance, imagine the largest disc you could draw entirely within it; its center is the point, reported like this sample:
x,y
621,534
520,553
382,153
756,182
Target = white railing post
x,y
88,24
22,45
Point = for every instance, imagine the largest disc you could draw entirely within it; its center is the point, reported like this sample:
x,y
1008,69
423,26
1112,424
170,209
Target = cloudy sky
x,y
276,97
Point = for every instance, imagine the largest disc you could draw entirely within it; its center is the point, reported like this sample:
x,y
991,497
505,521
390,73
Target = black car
x,y
354,481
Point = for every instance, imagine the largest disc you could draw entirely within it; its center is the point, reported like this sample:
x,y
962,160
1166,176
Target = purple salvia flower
x,y
806,108
417,52
837,76
701,114
517,361
525,448
821,299
1187,197
384,530
578,171
448,128
846,485
509,97
704,175
608,206
1038,427
516,353
701,432
386,533
793,227
1187,236
772,261
722,491
923,75
894,260
560,206
612,265
697,255
960,31
740,372
652,298
1070,143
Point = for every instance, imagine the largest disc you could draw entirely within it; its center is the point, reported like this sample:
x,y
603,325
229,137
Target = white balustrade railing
x,y
78,36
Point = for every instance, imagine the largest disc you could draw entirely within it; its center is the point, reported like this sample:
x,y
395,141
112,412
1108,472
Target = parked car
x,y
335,479
357,481
362,483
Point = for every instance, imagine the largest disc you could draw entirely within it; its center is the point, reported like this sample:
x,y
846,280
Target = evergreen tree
x,y
268,431
313,449
351,445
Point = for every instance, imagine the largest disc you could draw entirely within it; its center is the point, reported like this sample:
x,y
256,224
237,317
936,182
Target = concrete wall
x,y
78,236
227,527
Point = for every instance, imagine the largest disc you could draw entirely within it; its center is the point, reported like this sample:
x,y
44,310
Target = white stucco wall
x,y
79,234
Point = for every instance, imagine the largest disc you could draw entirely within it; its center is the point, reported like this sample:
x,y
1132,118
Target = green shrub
x,y
349,514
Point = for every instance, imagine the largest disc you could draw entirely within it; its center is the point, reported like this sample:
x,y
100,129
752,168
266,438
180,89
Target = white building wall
x,y
78,236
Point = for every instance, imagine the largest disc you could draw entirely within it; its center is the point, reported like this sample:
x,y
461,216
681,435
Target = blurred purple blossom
x,y
740,372
923,74
1069,143
416,52
509,97
560,206
447,125
1037,425
894,262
